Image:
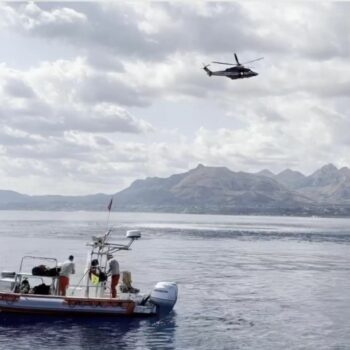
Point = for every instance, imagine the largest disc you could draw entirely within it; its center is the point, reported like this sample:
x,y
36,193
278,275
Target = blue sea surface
x,y
245,282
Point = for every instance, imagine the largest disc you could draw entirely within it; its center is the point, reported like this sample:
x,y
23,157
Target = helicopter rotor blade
x,y
238,63
228,64
237,59
257,59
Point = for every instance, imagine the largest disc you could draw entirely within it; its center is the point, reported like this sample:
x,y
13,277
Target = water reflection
x,y
83,333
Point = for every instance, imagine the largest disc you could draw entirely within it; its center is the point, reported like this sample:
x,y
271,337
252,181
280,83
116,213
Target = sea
x,y
245,282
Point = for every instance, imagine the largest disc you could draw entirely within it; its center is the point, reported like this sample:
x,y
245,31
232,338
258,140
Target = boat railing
x,y
30,257
90,291
19,276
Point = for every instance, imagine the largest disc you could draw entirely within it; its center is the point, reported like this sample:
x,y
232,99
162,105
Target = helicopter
x,y
237,71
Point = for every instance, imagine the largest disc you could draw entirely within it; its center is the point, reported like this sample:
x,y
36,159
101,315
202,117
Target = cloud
x,y
18,88
52,103
111,89
155,30
168,41
79,111
54,22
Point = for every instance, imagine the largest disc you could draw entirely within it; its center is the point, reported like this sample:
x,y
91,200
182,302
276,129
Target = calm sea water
x,y
244,282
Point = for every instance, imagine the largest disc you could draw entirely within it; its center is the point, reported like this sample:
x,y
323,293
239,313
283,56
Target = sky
x,y
94,95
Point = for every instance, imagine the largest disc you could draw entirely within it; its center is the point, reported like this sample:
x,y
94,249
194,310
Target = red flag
x,y
110,204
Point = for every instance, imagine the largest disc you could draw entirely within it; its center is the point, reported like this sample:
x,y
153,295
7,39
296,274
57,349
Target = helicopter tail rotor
x,y
208,71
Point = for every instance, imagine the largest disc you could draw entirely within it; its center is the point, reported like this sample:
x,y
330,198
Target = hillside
x,y
210,189
213,190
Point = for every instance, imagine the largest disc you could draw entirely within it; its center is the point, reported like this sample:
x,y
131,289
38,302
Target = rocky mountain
x,y
10,200
291,179
325,176
7,197
220,190
214,190
266,172
328,184
210,190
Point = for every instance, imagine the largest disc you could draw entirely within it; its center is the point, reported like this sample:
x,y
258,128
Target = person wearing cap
x,y
114,272
67,268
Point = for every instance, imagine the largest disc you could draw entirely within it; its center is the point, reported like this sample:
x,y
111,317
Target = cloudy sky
x,y
94,95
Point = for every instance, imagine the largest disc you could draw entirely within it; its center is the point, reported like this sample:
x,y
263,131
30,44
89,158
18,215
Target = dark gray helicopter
x,y
237,71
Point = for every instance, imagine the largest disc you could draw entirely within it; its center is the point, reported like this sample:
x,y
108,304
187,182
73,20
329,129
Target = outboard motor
x,y
164,295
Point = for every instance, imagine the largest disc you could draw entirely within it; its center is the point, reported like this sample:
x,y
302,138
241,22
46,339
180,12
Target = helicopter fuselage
x,y
233,73
237,71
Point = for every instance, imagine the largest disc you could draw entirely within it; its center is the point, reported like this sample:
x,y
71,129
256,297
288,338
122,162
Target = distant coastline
x,y
212,190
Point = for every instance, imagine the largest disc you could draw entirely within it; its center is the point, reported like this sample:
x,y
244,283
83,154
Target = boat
x,y
89,297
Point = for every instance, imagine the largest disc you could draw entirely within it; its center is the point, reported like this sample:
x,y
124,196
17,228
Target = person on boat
x,y
113,271
95,272
67,268
25,286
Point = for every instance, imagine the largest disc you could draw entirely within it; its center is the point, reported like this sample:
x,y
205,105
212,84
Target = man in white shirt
x,y
67,268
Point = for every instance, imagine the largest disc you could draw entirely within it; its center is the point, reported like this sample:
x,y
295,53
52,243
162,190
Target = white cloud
x,y
32,17
86,121
46,100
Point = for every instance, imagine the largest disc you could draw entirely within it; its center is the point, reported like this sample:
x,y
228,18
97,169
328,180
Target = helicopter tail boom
x,y
208,71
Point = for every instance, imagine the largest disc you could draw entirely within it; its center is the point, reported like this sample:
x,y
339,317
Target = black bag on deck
x,y
55,271
43,270
40,270
42,289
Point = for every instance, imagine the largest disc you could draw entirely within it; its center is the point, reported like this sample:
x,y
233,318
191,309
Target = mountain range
x,y
213,190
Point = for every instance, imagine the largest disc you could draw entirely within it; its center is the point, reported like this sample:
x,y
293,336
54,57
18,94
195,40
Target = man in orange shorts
x,y
67,268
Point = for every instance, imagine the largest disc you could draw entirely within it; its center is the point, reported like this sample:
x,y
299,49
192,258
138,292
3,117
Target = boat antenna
x,y
109,211
109,207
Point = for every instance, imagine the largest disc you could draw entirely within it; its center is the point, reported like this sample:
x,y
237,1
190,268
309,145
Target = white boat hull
x,y
59,305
